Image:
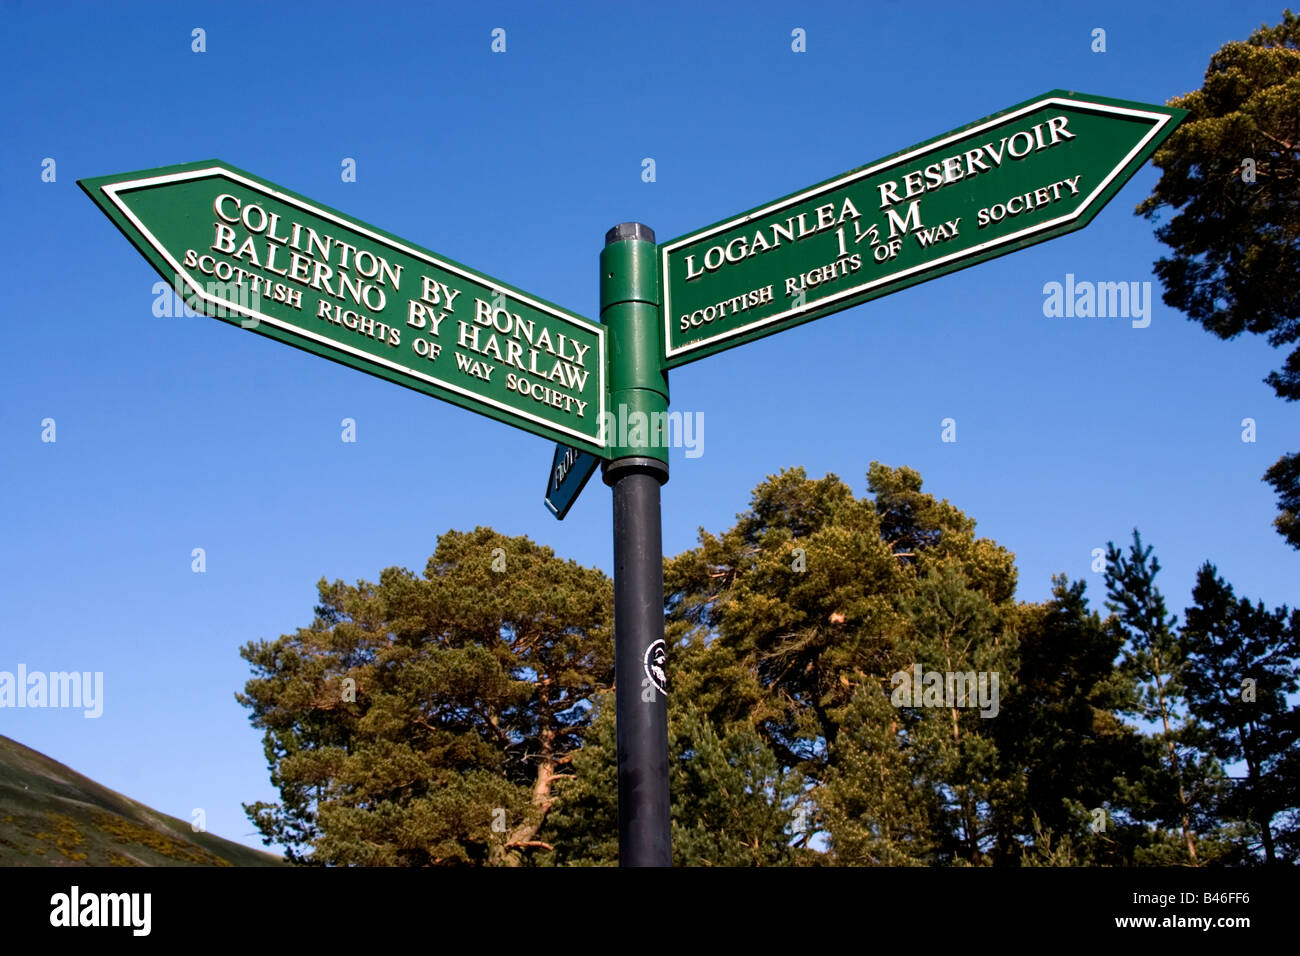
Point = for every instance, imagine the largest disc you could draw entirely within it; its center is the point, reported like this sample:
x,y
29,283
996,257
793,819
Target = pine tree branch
x,y
522,844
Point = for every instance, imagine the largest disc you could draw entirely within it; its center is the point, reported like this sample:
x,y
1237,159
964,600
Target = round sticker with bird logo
x,y
656,665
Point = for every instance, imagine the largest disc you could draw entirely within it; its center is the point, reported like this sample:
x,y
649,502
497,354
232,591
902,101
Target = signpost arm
x,y
629,308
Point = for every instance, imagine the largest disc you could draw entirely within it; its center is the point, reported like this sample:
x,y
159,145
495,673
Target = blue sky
x,y
178,433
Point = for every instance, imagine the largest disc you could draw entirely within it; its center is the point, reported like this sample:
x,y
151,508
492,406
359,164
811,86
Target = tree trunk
x,y
525,835
1252,775
1173,760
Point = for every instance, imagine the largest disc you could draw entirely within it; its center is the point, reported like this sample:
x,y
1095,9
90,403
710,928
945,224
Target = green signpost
x,y
1030,173
257,255
250,252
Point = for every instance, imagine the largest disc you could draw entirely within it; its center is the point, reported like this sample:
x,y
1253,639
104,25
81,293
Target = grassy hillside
x,y
53,816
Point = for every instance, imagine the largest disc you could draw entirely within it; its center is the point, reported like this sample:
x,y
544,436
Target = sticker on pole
x,y
655,664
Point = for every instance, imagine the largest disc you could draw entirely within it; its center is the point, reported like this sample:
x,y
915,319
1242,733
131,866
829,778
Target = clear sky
x,y
181,433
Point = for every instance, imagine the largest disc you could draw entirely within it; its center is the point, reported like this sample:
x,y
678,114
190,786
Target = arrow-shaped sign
x,y
1027,174
570,470
259,256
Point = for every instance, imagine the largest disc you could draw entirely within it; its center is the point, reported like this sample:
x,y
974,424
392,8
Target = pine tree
x,y
1062,731
1154,657
735,801
792,623
879,802
957,632
1229,178
426,720
1241,663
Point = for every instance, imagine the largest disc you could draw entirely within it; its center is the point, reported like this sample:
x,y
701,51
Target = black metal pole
x,y
639,660
639,465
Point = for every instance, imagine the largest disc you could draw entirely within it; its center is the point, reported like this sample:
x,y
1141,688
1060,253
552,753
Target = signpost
x,y
629,308
1030,173
267,259
253,253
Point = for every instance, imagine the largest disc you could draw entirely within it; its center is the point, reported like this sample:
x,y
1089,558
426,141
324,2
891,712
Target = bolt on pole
x,y
638,466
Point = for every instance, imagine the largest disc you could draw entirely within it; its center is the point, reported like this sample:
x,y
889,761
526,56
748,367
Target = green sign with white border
x,y
252,253
1030,173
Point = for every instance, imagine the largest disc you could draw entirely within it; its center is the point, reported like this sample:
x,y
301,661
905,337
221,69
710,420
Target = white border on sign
x,y
1160,120
111,190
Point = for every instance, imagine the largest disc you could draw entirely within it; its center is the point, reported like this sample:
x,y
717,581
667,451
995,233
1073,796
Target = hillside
x,y
50,815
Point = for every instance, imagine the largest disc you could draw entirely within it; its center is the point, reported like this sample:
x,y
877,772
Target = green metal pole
x,y
629,308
